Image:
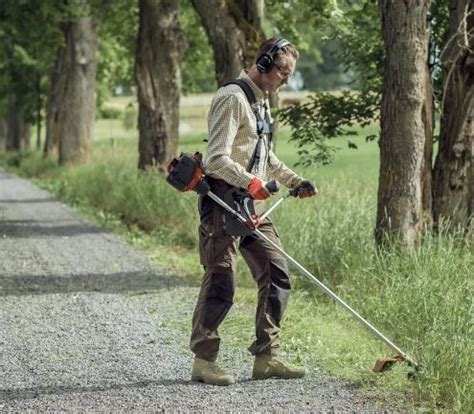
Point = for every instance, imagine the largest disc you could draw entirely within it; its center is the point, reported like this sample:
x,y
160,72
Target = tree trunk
x,y
426,174
470,180
39,105
235,32
3,132
76,105
452,188
160,51
51,144
402,140
470,176
18,130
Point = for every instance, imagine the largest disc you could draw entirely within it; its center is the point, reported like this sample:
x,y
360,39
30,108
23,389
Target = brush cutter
x,y
185,173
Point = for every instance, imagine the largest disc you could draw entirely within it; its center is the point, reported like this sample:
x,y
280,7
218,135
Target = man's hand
x,y
306,189
257,189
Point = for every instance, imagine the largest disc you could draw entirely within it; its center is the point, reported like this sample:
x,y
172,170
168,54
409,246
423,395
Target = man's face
x,y
280,74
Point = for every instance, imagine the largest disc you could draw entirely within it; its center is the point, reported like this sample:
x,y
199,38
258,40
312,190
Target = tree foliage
x,y
296,20
355,26
304,22
29,37
116,50
337,115
198,64
289,17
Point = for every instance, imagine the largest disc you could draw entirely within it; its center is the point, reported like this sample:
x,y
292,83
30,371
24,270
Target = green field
x,y
421,298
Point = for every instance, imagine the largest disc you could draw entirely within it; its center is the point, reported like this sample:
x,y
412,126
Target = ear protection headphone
x,y
266,60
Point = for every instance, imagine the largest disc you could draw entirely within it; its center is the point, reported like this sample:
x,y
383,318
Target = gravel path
x,y
86,325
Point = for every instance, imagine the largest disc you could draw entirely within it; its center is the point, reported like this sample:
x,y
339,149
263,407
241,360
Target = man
x,y
239,155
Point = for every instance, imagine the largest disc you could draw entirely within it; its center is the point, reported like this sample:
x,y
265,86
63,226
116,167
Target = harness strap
x,y
263,125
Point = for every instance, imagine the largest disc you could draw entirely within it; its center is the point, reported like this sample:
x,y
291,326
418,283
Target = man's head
x,y
275,63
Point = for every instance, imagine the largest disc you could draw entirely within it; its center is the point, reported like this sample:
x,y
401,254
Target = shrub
x,y
129,119
110,112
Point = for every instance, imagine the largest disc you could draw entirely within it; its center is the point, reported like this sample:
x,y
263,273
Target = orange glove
x,y
254,223
257,189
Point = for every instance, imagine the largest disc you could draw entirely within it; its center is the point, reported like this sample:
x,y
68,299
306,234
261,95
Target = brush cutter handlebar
x,y
272,186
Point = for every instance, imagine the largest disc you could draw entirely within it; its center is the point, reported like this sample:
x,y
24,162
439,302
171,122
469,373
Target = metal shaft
x,y
273,207
315,280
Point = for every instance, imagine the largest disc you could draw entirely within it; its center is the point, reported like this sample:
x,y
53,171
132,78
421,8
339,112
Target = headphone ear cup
x,y
264,63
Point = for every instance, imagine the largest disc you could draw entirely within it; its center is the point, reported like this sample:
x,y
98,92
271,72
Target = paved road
x,y
86,324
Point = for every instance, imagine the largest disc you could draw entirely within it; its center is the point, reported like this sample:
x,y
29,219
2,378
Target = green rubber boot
x,y
210,373
268,366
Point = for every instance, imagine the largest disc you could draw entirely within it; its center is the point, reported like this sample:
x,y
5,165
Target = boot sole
x,y
255,378
264,377
200,379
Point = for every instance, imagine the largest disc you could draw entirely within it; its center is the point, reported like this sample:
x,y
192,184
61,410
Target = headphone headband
x,y
266,60
280,44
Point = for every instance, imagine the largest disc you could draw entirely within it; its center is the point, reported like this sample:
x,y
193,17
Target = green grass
x,y
421,299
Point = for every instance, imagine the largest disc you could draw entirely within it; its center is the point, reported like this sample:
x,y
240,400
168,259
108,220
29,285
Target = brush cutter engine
x,y
185,173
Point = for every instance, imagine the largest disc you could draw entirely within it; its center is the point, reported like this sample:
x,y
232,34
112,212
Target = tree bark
x,y
53,104
452,186
234,29
402,140
18,130
469,127
3,132
160,51
39,106
76,99
427,174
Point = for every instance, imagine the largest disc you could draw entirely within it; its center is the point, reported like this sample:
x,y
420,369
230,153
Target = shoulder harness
x,y
264,125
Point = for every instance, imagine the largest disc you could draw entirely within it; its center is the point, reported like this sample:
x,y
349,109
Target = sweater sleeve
x,y
223,123
279,171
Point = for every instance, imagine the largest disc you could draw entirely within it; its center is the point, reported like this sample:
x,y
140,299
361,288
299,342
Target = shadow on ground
x,y
29,393
27,229
27,200
135,282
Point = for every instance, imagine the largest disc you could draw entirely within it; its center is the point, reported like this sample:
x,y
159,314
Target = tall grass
x,y
421,298
139,199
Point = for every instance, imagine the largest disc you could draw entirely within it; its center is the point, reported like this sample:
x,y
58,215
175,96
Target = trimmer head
x,y
384,364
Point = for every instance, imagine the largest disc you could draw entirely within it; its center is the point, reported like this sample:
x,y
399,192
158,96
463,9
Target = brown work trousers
x,y
218,252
